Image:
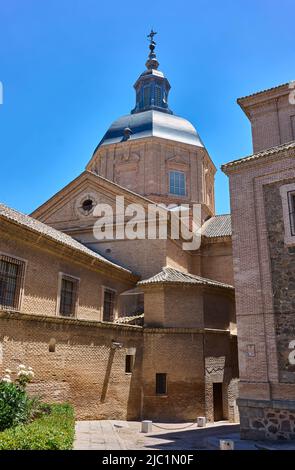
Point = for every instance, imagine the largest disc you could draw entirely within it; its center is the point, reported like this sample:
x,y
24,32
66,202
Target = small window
x,y
68,296
158,95
146,96
177,183
11,280
161,384
108,305
87,205
129,362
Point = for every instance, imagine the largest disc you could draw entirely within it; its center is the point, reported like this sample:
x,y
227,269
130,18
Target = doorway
x,y
218,402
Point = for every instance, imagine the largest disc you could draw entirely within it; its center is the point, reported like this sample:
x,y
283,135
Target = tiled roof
x,y
263,91
217,226
256,156
173,276
60,237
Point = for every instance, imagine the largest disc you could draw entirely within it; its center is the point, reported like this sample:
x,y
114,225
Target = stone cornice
x,y
11,315
272,154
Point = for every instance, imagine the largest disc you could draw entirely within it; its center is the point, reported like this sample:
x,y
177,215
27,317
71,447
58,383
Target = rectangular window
x,y
129,362
11,280
177,183
158,96
68,296
146,96
161,384
108,305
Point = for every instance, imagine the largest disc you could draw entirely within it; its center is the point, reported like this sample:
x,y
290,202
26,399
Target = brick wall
x,y
84,369
179,355
217,261
258,260
41,279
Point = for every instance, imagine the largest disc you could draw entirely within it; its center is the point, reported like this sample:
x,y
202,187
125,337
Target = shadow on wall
x,y
107,376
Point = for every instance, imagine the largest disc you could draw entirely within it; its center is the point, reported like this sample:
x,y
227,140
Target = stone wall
x,y
282,259
267,420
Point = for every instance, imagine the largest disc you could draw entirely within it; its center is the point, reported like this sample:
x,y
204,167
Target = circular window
x,y
87,205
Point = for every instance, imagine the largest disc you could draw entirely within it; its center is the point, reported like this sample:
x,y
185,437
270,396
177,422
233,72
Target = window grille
x,y
11,280
108,305
68,296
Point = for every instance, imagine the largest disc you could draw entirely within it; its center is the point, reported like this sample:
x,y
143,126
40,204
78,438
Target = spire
x,y
152,88
152,62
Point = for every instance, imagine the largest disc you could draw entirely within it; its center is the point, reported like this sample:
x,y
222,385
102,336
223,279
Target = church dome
x,y
151,116
151,123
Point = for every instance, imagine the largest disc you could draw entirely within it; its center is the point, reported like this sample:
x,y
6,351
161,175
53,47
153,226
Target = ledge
x,y
12,315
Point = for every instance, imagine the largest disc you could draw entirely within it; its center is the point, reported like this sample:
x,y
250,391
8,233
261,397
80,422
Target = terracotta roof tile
x,y
173,276
217,226
256,156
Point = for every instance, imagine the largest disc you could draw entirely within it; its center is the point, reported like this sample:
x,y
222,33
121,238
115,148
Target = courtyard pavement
x,y
126,435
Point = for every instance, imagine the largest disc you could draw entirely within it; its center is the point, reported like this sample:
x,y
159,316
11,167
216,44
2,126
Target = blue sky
x,y
68,68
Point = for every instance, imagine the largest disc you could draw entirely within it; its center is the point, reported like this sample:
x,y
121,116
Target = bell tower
x,y
152,88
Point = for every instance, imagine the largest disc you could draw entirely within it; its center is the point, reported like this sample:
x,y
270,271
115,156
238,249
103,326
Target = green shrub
x,y
15,405
53,431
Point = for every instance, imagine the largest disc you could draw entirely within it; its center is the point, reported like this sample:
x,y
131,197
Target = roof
x,y
217,226
173,276
53,234
256,156
38,212
152,123
274,88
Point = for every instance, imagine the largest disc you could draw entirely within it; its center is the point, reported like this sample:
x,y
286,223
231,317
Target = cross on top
x,y
151,36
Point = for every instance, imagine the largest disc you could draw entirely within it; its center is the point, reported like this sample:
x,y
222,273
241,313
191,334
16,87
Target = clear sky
x,y
68,69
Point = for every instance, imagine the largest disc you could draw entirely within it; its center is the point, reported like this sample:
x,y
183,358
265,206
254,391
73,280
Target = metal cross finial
x,y
151,36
